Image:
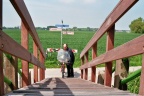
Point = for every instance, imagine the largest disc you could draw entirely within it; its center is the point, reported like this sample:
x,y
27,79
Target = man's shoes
x,y
68,76
72,76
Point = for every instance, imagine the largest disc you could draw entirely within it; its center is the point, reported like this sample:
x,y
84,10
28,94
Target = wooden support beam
x,y
93,73
121,72
35,53
82,74
141,88
93,68
82,62
16,72
29,79
42,71
86,74
1,75
94,51
25,64
108,67
1,53
1,14
86,70
86,57
101,76
11,64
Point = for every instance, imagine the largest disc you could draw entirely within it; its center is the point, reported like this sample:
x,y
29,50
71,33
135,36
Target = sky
x,y
75,13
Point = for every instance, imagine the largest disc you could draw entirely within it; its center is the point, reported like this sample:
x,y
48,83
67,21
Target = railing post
x,y
141,88
16,72
1,75
35,53
110,45
86,70
42,71
11,64
121,72
82,62
25,64
93,69
1,55
1,14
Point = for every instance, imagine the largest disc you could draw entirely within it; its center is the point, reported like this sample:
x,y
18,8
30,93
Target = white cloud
x,y
78,1
89,1
67,1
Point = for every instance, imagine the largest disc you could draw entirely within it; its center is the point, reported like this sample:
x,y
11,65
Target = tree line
x,y
75,28
136,26
48,27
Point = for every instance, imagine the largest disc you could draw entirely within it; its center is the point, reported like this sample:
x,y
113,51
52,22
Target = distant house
x,y
55,29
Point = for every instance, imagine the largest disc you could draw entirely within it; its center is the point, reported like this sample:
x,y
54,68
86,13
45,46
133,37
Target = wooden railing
x,y
131,48
9,46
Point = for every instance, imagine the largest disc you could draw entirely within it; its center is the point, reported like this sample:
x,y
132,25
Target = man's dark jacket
x,y
71,55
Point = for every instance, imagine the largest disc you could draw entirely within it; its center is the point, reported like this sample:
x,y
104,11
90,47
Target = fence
x,y
128,49
11,47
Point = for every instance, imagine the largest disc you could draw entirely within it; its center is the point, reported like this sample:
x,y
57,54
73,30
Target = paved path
x,y
55,72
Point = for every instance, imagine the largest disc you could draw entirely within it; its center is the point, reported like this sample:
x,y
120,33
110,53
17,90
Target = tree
x,y
48,27
74,28
137,25
4,27
88,28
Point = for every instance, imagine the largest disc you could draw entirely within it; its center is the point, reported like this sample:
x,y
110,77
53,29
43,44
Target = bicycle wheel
x,y
62,74
62,71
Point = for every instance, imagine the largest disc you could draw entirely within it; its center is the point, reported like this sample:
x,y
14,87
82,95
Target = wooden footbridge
x,y
68,87
10,51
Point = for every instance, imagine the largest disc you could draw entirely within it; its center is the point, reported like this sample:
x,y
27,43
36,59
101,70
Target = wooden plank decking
x,y
68,87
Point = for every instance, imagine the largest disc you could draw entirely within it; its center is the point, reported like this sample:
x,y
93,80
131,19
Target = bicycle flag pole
x,y
61,33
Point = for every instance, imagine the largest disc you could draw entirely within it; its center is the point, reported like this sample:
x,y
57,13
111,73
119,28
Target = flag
x,y
62,21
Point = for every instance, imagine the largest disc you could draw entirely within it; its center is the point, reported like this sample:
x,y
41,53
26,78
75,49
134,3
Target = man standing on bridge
x,y
71,62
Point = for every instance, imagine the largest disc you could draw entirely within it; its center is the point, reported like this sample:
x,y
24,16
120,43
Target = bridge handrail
x,y
9,46
113,17
21,9
131,48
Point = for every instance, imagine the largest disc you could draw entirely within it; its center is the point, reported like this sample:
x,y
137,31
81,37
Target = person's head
x,y
65,46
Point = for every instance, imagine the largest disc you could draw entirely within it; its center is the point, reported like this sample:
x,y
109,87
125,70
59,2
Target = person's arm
x,y
72,56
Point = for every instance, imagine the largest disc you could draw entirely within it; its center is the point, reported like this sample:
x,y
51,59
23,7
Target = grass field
x,y
77,41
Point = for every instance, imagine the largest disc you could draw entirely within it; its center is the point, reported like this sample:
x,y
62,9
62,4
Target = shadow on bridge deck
x,y
67,87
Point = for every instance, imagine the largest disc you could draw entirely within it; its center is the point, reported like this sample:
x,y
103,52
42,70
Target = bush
x,y
133,86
